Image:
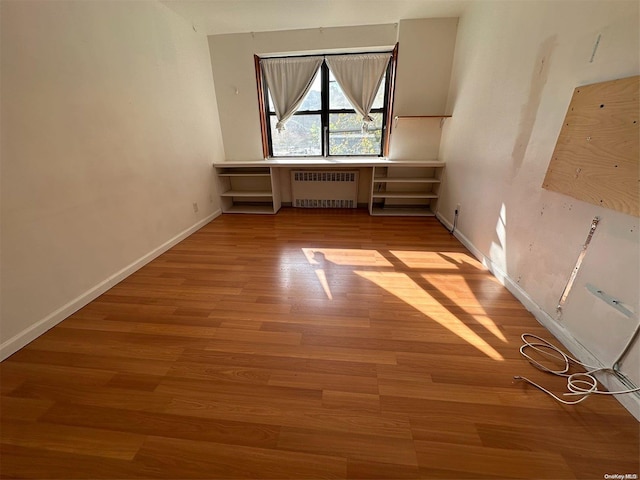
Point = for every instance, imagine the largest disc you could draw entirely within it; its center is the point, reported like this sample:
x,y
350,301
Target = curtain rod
x,y
321,54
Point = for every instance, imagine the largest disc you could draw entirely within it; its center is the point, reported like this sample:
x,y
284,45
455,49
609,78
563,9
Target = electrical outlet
x,y
195,207
458,208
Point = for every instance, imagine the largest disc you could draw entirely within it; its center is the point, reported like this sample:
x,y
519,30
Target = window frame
x,y
325,112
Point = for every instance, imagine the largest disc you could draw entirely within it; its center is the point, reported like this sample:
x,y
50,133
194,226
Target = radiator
x,y
324,189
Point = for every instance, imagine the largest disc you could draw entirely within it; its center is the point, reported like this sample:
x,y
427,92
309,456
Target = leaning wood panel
x,y
596,158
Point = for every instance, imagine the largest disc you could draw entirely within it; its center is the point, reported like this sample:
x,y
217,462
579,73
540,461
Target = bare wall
x,y
109,130
515,68
422,84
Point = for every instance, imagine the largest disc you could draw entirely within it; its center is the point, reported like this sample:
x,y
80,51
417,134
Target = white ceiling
x,y
212,17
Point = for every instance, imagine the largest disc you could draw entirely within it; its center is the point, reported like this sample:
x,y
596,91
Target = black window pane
x,y
301,136
347,138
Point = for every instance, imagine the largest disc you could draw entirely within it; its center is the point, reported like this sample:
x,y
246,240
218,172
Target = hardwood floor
x,y
309,344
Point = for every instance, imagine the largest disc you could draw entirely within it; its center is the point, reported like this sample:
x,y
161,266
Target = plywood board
x,y
596,158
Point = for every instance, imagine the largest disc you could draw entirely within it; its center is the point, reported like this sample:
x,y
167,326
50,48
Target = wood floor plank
x,y
192,317
133,381
241,324
109,347
163,424
78,322
226,315
515,415
358,402
20,462
54,374
291,414
445,430
242,391
108,395
367,470
325,381
190,459
19,408
476,460
71,439
259,336
310,352
433,391
349,445
223,373
573,441
307,344
594,465
103,305
91,361
280,362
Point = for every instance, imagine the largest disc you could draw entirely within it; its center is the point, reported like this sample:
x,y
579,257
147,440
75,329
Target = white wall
x,y
425,57
515,68
424,65
109,131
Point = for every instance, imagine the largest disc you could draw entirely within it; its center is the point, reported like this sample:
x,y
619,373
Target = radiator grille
x,y
305,176
308,203
324,189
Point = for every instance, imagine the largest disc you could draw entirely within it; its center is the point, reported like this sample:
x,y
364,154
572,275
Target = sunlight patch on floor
x,y
322,278
382,274
491,326
428,260
400,285
346,256
463,292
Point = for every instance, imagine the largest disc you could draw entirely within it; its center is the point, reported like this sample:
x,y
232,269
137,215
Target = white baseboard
x,y
32,332
630,401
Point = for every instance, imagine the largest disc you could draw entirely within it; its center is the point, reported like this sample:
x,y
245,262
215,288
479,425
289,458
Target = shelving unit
x,y
399,117
407,190
398,187
250,189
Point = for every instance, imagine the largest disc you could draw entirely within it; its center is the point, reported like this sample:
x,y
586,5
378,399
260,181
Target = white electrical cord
x,y
584,384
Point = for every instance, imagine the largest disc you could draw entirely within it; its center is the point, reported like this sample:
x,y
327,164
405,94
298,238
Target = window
x,y
303,133
346,136
325,123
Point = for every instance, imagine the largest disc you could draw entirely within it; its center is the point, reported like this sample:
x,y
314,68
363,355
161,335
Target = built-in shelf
x,y
407,180
401,117
406,190
247,193
408,211
250,208
248,189
417,194
244,174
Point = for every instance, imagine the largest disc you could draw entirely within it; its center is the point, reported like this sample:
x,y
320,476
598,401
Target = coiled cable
x,y
584,384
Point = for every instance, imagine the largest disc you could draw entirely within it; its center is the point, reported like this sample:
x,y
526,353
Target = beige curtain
x,y
359,76
289,81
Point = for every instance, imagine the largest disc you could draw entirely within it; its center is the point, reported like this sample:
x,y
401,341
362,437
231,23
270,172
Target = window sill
x,y
329,162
